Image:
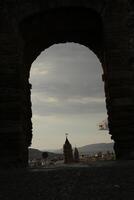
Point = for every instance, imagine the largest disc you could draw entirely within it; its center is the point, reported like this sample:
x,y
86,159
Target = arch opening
x,y
79,25
67,96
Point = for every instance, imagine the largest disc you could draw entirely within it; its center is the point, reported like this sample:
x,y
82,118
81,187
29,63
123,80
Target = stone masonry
x,y
27,27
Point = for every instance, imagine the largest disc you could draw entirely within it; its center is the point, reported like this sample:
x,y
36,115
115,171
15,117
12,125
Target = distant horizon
x,y
72,146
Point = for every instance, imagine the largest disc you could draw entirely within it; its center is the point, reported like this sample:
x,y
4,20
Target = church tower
x,y
68,152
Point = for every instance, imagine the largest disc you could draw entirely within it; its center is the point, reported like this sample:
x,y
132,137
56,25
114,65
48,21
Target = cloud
x,y
44,105
66,80
39,72
87,100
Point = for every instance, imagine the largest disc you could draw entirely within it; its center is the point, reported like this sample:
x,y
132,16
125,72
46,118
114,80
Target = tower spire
x,y
66,134
68,151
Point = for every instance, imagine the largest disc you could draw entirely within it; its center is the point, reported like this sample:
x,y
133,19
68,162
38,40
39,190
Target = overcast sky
x,y
67,96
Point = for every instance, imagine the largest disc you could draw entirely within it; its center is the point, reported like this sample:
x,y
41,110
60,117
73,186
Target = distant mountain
x,y
92,148
87,149
37,154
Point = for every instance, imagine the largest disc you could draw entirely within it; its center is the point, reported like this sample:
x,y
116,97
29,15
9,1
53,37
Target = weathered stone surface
x,y
106,27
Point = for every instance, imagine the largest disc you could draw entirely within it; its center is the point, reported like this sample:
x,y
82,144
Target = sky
x,y
67,97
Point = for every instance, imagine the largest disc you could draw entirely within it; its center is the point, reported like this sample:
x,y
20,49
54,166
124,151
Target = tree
x,y
45,156
76,155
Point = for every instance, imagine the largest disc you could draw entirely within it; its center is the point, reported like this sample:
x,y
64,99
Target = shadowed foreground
x,y
98,182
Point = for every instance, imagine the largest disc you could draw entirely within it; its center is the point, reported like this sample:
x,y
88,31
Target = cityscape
x,y
70,157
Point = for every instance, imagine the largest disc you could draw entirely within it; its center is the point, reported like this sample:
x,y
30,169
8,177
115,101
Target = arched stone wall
x,y
59,26
30,26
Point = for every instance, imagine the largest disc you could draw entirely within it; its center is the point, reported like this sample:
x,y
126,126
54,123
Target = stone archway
x,y
62,25
28,29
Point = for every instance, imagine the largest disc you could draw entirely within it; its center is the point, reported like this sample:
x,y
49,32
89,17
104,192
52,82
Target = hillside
x,y
37,154
87,149
103,147
92,148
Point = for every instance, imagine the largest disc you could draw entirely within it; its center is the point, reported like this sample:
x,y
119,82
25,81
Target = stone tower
x,y
68,152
